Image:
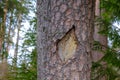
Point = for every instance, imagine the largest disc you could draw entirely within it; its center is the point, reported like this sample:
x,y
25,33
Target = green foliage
x,y
26,64
107,72
112,8
97,46
112,58
27,70
109,65
30,36
1,13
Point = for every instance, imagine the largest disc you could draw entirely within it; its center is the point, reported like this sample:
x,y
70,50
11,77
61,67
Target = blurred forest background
x,y
18,56
17,40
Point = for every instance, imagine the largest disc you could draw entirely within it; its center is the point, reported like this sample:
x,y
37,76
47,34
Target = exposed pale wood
x,y
55,19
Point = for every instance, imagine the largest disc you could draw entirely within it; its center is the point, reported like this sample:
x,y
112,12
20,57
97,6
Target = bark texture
x,y
97,55
64,25
3,64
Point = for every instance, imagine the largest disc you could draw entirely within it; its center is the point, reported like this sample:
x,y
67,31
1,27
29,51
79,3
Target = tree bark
x,y
97,55
15,59
4,64
64,39
17,40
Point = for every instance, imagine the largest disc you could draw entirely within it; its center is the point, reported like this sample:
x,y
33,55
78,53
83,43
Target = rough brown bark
x,y
3,24
4,65
97,55
64,25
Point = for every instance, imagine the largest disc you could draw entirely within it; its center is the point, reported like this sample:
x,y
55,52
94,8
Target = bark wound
x,y
67,45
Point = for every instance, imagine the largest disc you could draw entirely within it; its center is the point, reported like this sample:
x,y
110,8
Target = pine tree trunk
x,y
17,44
97,55
64,39
4,63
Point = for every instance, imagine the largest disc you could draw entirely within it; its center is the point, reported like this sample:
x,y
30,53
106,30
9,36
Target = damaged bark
x,y
67,45
64,39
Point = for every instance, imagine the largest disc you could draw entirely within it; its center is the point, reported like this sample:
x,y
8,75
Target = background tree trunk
x,y
97,55
64,39
17,44
4,63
